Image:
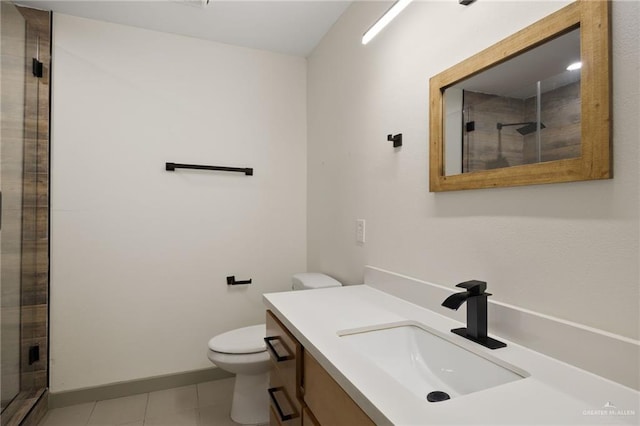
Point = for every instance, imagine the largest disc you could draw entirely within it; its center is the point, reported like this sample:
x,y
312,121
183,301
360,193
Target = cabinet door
x,y
328,402
284,378
308,419
284,405
273,417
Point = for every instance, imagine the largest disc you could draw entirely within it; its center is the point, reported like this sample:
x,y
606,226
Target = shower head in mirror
x,y
527,127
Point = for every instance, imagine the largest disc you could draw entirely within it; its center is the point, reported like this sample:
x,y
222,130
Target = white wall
x,y
569,250
139,255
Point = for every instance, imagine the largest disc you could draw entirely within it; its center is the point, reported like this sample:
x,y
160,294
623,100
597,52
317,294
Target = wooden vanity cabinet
x,y
285,374
307,418
301,391
328,402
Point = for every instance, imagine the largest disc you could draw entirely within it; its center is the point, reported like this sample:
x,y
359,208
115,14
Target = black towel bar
x,y
172,166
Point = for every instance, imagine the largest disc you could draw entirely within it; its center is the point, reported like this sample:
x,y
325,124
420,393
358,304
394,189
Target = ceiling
x,y
517,77
290,27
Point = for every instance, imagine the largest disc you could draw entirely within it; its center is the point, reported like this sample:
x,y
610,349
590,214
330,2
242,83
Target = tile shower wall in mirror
x,y
524,111
485,146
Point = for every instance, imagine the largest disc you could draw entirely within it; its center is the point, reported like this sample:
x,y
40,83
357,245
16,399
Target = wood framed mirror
x,y
522,112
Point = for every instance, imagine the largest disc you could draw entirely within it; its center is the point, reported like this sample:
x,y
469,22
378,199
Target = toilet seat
x,y
245,340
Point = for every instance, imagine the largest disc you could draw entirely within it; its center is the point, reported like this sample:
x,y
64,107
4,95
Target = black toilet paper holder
x,y
231,280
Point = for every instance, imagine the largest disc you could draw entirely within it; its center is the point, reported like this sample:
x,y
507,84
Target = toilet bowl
x,y
243,352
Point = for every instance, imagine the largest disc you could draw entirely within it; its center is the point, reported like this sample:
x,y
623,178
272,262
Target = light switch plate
x,y
360,231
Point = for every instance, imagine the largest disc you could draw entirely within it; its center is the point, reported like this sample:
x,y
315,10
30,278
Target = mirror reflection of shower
x,y
525,110
524,128
527,127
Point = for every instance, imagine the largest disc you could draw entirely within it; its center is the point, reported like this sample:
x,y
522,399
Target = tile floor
x,y
204,404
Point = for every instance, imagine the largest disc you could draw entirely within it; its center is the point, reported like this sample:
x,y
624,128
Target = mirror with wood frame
x,y
532,109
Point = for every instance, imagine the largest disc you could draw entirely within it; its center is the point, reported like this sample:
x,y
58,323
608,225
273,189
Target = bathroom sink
x,y
426,361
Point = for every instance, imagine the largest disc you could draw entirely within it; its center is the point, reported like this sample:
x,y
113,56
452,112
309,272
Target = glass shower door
x,y
12,89
24,211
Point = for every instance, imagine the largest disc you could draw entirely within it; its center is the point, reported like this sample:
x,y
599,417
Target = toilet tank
x,y
311,280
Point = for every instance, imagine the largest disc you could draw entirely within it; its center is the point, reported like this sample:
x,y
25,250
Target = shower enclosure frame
x,y
29,124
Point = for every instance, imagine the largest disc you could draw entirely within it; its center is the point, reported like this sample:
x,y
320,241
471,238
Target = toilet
x,y
243,352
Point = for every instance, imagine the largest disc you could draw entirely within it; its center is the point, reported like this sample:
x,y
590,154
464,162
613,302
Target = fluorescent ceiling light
x,y
574,66
389,15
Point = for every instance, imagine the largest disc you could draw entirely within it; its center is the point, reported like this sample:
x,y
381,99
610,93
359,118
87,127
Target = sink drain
x,y
437,396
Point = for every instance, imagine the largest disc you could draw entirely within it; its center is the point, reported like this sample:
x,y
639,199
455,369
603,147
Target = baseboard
x,y
133,387
606,354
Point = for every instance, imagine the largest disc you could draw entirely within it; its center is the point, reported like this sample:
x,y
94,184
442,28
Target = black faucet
x,y
476,299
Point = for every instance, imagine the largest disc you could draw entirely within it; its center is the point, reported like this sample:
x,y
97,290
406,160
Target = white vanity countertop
x,y
555,393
